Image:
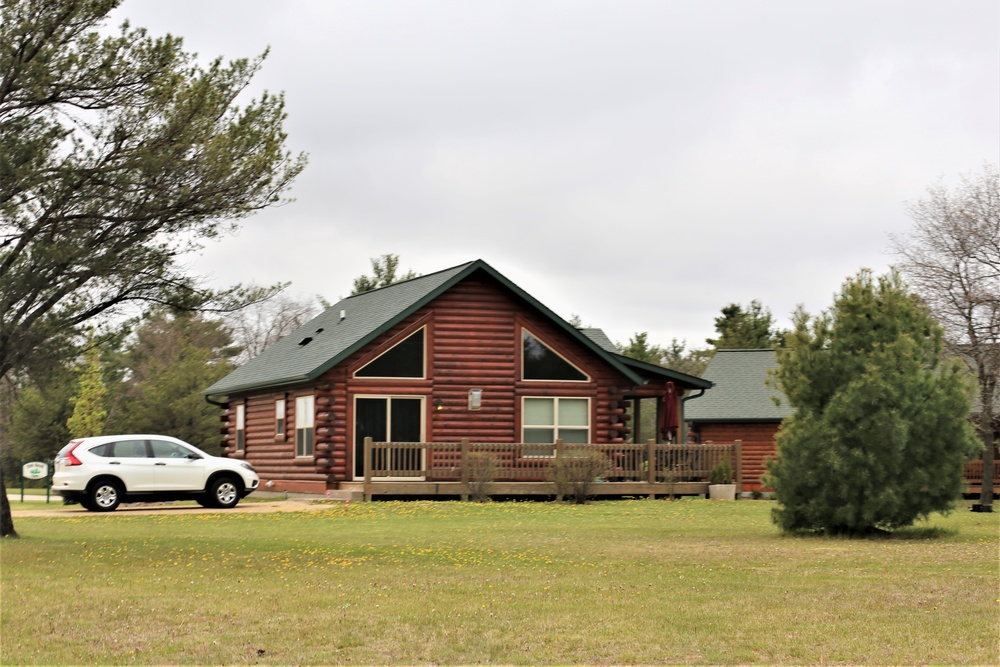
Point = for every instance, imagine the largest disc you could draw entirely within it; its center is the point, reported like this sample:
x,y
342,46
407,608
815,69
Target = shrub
x,y
482,468
722,473
576,472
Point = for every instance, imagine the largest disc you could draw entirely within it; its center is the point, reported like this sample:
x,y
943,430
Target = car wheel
x,y
103,496
224,492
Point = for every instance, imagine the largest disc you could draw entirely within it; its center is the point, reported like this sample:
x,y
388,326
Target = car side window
x,y
130,449
104,450
168,450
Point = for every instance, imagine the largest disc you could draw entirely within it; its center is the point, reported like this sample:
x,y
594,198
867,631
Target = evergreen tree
x,y
750,328
384,271
118,155
89,412
880,431
172,359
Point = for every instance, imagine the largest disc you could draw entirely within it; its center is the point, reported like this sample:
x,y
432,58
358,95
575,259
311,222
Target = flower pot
x,y
722,491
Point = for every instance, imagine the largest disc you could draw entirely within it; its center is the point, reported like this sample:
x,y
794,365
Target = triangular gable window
x,y
540,362
403,360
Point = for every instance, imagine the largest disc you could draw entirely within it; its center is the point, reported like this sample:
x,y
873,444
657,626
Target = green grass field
x,y
624,582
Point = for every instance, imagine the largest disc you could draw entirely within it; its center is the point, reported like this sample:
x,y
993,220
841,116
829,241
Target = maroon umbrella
x,y
669,419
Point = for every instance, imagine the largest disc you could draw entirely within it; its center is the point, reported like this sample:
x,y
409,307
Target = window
x,y
547,419
104,450
403,360
169,450
241,418
130,449
304,426
540,362
279,417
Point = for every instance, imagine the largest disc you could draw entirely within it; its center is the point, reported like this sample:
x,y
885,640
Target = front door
x,y
388,419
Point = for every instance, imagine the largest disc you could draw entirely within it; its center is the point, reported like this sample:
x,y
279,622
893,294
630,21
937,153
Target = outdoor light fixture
x,y
475,399
438,404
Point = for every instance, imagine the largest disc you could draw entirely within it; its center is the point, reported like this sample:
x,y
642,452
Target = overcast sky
x,y
639,164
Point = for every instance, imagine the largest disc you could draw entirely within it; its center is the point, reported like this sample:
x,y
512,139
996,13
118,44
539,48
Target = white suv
x,y
104,471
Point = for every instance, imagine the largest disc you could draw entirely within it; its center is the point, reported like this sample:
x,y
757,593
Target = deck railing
x,y
650,463
973,472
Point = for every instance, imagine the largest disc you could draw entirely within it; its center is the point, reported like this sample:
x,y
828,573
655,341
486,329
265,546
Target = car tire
x,y
224,492
104,495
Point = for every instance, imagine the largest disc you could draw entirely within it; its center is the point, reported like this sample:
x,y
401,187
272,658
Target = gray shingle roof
x,y
740,393
600,338
332,338
329,338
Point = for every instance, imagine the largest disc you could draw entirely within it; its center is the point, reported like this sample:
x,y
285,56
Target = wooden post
x,y
651,465
739,467
637,418
559,454
368,468
463,463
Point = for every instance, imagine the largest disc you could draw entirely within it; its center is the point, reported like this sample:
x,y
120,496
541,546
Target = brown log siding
x,y
758,446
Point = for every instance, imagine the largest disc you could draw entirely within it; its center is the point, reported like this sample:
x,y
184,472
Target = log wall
x,y
758,446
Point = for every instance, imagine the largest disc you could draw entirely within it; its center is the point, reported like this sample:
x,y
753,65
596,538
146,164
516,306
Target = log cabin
x,y
462,353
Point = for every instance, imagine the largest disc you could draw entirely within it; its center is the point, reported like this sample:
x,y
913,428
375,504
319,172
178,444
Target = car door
x,y
131,463
176,467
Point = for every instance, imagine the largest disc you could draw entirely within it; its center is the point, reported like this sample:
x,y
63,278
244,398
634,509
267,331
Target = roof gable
x,y
740,392
352,323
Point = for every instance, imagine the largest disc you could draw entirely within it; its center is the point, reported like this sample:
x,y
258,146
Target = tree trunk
x,y
986,428
6,521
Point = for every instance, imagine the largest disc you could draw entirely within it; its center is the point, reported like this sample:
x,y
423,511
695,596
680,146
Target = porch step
x,y
345,495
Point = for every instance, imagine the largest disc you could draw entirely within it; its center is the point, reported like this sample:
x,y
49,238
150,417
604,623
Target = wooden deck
x,y
973,474
443,469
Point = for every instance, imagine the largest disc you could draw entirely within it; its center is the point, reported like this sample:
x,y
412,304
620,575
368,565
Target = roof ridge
x,y
413,279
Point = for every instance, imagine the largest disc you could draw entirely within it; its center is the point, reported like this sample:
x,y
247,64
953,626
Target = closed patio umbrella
x,y
669,419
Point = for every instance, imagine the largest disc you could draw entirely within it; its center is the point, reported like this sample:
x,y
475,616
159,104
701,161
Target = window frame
x,y
556,427
402,339
280,417
241,427
305,426
521,342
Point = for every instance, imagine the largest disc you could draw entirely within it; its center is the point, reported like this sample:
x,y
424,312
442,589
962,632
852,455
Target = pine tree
x,y
880,431
89,413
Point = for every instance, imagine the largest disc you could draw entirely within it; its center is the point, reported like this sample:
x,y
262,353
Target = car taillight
x,y
71,460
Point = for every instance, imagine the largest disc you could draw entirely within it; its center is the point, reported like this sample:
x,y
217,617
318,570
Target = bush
x,y
880,431
575,474
722,473
482,468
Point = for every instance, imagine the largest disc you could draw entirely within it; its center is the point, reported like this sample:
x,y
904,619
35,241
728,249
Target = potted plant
x,y
720,482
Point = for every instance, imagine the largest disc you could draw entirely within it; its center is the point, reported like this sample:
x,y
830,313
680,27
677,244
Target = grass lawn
x,y
686,582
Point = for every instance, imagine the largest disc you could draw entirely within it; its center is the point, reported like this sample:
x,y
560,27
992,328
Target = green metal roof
x,y
349,325
739,393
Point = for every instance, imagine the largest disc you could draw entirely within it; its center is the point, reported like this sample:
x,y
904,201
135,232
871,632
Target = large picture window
x,y
540,362
304,416
547,419
403,360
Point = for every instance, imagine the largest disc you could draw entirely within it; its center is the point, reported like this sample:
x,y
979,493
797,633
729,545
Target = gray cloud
x,y
641,164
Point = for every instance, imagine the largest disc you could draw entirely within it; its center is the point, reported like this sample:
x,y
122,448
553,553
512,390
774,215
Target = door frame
x,y
358,451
